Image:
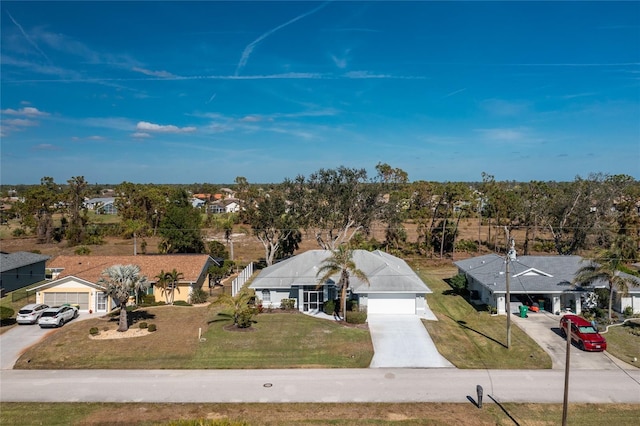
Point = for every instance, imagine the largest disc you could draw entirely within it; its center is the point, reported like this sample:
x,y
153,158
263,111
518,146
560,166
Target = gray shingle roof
x,y
529,274
9,261
386,273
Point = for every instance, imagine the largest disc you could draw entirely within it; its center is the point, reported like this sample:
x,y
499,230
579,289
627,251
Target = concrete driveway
x,y
17,340
402,341
543,327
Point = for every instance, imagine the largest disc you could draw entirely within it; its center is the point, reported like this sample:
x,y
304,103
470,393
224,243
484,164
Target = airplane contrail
x,y
249,49
26,36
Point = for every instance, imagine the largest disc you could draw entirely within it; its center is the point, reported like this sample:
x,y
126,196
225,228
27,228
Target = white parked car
x,y
56,317
30,313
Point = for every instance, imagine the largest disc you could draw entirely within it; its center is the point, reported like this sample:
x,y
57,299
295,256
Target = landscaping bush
x,y
148,299
18,232
356,317
82,251
143,325
244,318
94,331
288,304
628,312
458,283
543,246
181,303
199,296
329,307
467,246
6,312
152,327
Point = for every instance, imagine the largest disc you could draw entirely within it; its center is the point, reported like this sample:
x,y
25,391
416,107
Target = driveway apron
x,y
14,342
543,328
402,341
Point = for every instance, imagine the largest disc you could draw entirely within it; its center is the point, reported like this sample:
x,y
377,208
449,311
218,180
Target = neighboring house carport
x,y
545,280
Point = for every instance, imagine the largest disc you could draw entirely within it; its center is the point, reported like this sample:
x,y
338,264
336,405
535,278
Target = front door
x,y
312,300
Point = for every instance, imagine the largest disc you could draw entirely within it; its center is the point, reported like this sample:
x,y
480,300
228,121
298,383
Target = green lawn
x,y
285,340
275,414
277,340
469,338
623,342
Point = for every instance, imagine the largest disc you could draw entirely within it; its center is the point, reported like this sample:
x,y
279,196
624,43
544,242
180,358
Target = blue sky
x,y
168,92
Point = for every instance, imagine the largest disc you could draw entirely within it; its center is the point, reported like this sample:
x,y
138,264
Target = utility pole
x,y
565,402
511,254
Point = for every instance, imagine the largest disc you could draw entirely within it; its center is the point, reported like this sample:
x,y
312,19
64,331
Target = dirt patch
x,y
115,334
235,328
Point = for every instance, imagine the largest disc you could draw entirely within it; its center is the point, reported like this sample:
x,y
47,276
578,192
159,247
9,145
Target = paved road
x,y
317,385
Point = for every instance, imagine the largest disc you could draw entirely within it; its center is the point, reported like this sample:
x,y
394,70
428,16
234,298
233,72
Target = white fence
x,y
241,279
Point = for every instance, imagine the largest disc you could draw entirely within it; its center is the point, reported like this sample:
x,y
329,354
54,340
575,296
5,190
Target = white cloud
x,y
20,122
24,118
145,126
251,118
341,62
140,135
26,111
162,74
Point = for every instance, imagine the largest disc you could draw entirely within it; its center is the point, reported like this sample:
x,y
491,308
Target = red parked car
x,y
583,333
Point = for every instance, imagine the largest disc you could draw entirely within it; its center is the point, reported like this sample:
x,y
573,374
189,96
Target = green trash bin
x,y
523,311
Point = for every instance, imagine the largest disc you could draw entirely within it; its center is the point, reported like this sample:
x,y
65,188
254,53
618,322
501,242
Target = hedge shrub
x,y
6,312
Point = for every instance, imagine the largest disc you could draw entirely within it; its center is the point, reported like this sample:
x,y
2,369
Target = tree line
x,y
343,205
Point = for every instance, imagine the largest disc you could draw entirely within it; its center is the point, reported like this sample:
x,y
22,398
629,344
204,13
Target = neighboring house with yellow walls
x,y
75,278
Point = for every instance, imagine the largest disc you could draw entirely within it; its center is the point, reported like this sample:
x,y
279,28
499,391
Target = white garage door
x,y
57,299
392,304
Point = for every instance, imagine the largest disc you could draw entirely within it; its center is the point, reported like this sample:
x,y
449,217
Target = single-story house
x,y
545,280
75,278
394,288
227,205
21,269
102,205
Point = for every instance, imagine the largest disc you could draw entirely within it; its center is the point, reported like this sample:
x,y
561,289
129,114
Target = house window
x,y
266,295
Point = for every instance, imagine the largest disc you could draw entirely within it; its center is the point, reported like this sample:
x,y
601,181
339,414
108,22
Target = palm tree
x,y
243,309
120,281
340,262
605,267
173,278
161,283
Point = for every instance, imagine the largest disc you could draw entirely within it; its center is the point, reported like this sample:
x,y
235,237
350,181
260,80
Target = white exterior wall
x,y
74,287
276,298
500,303
631,300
